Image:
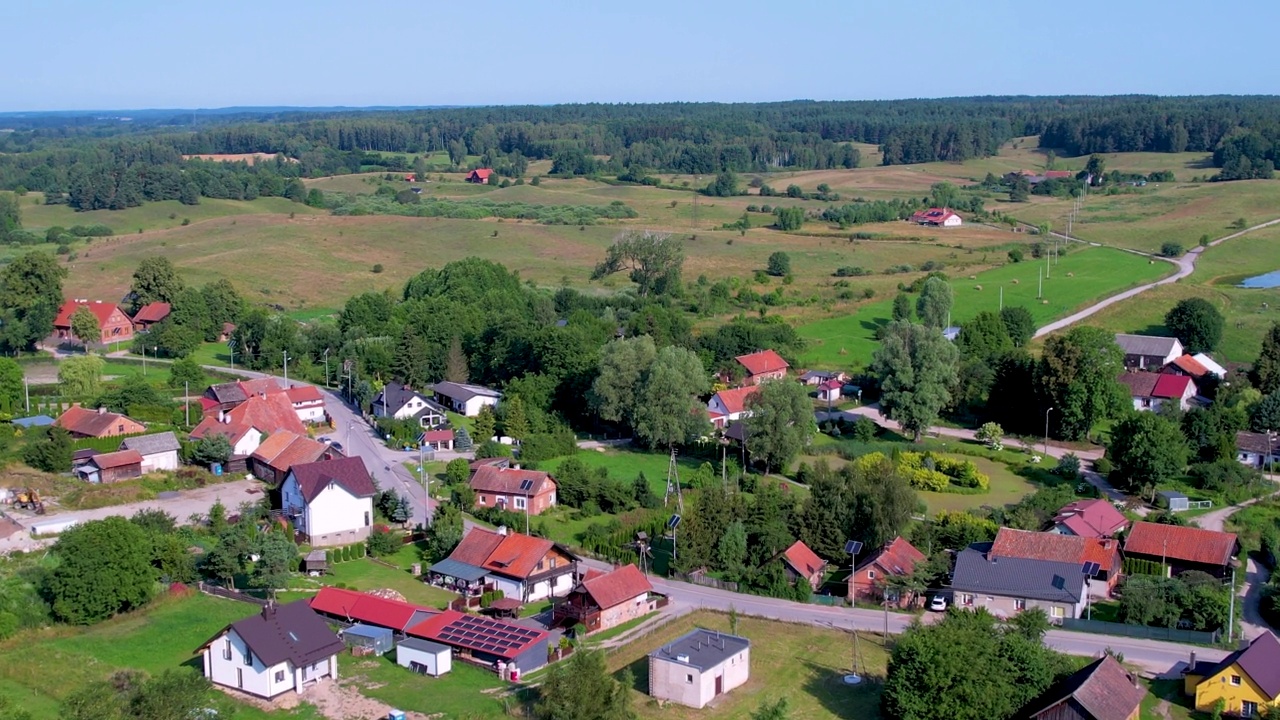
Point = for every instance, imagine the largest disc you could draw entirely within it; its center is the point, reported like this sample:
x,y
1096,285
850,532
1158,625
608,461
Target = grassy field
x,y
465,692
39,669
1249,311
1007,487
364,574
152,215
805,664
1079,278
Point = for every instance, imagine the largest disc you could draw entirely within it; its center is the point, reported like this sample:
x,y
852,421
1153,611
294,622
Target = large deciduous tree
x,y
916,367
103,569
81,376
581,688
985,337
1020,324
1266,369
11,386
653,260
669,412
934,304
781,423
624,363
1077,378
1197,323
30,295
84,326
155,280
1146,449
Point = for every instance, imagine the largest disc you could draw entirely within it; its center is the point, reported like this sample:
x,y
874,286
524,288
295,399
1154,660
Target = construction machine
x,y
29,499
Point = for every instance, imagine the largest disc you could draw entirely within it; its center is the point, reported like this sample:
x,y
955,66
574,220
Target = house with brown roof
x,y
278,454
330,501
1150,391
1095,518
896,558
604,600
111,467
1181,549
1259,450
523,567
1101,690
728,406
150,314
1243,682
100,423
761,366
113,324
1072,549
249,419
526,491
801,563
282,648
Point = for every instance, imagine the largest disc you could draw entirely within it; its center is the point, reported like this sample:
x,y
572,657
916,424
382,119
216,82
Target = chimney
x,y
1192,665
102,411
269,610
516,466
502,529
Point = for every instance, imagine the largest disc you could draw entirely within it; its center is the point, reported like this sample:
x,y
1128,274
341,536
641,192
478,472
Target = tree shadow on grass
x,y
638,675
851,702
874,324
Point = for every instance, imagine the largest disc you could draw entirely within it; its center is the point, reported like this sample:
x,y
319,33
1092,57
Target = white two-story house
x,y
728,406
330,501
307,402
282,648
402,403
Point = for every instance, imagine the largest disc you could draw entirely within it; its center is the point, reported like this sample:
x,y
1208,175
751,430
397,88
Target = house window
x,y
1019,604
226,649
539,565
366,518
120,427
1056,611
1248,709
551,499
688,678
553,563
1235,680
871,574
279,676
248,657
521,503
482,499
966,599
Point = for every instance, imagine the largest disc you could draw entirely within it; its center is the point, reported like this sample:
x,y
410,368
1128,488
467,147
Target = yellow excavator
x,y
29,499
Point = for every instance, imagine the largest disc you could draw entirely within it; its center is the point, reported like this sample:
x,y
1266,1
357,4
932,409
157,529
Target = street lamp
x,y
1046,431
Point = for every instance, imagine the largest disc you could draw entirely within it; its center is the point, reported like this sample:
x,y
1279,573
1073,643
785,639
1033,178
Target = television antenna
x,y
673,483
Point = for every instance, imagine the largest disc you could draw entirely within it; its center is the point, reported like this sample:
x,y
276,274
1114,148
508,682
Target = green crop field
x,y
1080,277
1249,311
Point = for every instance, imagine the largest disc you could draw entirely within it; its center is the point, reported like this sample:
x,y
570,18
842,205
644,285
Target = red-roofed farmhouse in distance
x,y
480,176
763,365
113,323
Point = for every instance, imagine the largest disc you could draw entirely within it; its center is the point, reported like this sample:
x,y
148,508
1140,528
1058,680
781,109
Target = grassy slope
x,y
1095,273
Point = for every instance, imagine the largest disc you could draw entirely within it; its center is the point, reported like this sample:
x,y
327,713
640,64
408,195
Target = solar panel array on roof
x,y
487,635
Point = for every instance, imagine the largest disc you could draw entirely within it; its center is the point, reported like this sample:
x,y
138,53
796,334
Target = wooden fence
x,y
699,577
229,594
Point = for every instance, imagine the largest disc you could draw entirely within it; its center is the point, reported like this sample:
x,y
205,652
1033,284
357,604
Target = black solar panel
x,y
526,484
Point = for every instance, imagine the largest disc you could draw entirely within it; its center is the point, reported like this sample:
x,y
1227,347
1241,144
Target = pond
x,y
1269,280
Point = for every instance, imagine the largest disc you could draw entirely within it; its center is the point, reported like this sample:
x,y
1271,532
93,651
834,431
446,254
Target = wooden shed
x,y
112,467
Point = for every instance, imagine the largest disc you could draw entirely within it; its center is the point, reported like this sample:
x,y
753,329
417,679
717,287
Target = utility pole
x,y
186,394
144,360
1231,614
26,390
1040,292
285,353
1046,431
326,367
1002,297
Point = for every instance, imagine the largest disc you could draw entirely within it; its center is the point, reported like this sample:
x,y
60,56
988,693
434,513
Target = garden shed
x,y
424,656
368,640
1174,500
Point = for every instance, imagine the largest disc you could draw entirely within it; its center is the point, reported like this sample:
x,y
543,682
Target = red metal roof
x,y
437,436
304,393
617,587
479,634
1189,544
100,310
482,173
1053,547
735,399
765,361
1171,386
365,608
123,458
1091,518
152,313
832,384
803,560
932,215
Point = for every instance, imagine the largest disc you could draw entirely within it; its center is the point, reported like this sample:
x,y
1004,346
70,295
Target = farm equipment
x,y
29,499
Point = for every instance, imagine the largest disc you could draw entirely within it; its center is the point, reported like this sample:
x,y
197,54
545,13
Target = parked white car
x,y
938,603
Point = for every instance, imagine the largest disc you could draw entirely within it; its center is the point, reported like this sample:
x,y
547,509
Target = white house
x,y
158,451
729,405
1259,450
424,656
307,402
937,217
283,648
244,438
699,666
402,403
330,501
465,399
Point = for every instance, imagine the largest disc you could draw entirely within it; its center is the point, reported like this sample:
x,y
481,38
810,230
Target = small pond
x,y
1269,280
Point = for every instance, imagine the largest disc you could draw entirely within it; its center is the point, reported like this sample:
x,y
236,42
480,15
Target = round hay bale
x,y
1044,302
973,277
1015,281
1071,274
977,287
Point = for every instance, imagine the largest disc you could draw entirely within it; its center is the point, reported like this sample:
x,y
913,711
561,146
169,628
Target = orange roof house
x,y
895,558
728,405
480,176
281,451
83,423
763,365
514,489
801,563
113,324
1183,548
604,600
525,568
150,314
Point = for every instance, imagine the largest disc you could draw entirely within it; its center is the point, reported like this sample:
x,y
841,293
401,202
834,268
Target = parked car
x,y
938,603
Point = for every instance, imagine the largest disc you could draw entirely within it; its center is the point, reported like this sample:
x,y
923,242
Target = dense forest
x,y
105,162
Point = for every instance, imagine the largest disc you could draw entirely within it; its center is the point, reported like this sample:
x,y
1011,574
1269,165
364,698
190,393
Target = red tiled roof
x,y
304,393
513,554
123,458
283,450
1058,174
1091,518
1170,386
91,423
896,556
365,608
211,426
152,312
348,472
832,384
1190,366
932,215
1104,689
100,310
735,399
271,413
476,546
508,481
479,634
617,587
761,362
438,436
1053,547
1140,384
803,560
1189,544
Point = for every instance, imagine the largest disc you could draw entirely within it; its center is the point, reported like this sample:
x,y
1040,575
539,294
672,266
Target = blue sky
x,y
78,54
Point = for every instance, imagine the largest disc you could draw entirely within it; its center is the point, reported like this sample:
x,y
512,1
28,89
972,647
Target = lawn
x,y
364,574
1007,487
1249,311
1079,278
465,692
803,663
40,668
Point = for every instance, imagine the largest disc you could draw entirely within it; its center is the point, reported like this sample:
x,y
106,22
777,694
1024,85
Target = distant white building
x,y
158,451
402,403
283,648
465,399
699,666
330,501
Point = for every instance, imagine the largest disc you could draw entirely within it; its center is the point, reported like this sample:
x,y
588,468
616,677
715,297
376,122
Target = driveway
x,y
1255,574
